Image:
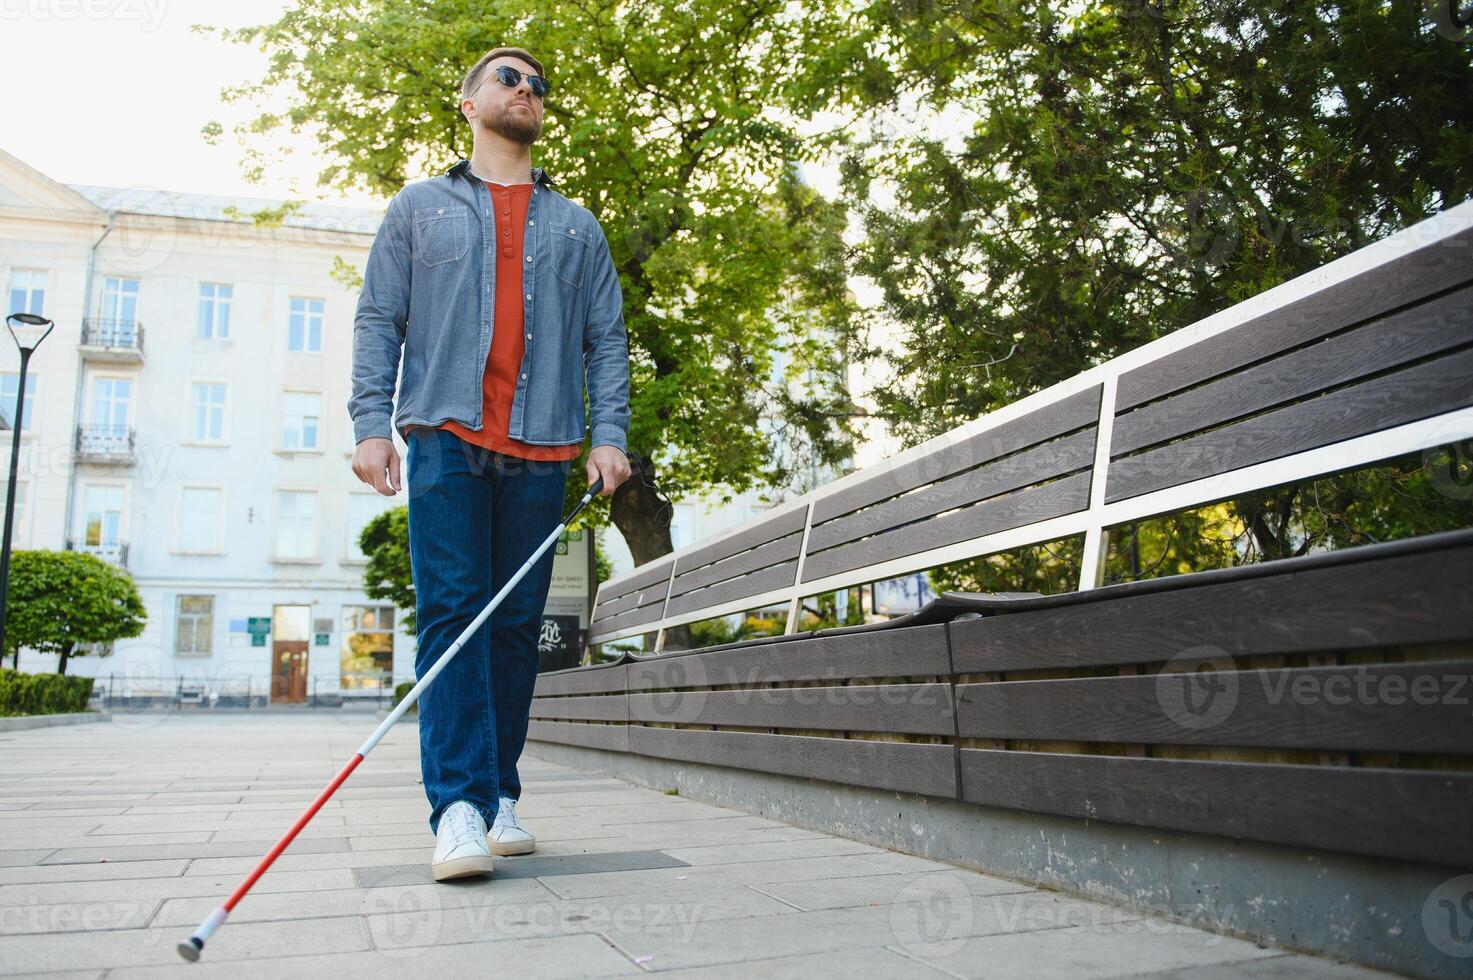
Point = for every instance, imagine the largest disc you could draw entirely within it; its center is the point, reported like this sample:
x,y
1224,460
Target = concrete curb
x,y
22,722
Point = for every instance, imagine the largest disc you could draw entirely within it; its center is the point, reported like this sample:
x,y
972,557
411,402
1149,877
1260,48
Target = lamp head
x,y
27,330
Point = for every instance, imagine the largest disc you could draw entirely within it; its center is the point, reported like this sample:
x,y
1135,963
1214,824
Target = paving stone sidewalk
x,y
119,837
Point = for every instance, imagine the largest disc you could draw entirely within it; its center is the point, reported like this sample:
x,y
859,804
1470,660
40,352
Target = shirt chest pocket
x,y
568,250
441,234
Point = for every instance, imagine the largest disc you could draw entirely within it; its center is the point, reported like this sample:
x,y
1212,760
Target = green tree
x,y
385,540
60,600
1112,172
678,126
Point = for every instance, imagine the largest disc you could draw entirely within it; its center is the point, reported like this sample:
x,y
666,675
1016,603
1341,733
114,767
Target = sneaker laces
x,y
507,814
462,827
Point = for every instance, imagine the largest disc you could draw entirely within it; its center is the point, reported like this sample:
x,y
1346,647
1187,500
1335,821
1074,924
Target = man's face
x,y
512,112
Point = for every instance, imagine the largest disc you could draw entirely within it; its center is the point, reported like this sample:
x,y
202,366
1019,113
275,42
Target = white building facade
x,y
186,420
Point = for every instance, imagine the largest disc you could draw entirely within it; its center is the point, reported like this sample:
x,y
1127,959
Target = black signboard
x,y
559,644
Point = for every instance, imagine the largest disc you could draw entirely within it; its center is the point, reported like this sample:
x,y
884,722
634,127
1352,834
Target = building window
x,y
119,311
367,646
27,291
102,515
207,412
214,310
199,519
20,529
8,383
300,412
110,398
362,508
305,332
194,625
296,524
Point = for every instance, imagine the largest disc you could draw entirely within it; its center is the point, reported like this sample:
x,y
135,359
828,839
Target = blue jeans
x,y
475,516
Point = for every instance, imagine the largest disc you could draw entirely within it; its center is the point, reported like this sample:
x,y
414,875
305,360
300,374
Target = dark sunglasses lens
x,y
511,77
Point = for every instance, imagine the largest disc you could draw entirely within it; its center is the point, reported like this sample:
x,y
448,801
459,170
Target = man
x,y
505,299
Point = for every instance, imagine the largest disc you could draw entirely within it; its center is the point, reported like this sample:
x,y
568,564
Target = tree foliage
x,y
1112,172
385,541
61,600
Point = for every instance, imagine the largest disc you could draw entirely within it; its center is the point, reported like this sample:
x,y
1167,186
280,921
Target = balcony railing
x,y
105,443
105,338
112,552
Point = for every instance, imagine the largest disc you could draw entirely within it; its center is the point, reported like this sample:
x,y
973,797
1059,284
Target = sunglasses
x,y
511,78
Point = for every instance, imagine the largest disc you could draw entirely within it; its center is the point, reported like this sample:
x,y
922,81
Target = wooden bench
x,y
1362,360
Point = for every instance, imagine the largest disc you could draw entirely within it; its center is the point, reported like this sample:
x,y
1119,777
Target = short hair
x,y
473,77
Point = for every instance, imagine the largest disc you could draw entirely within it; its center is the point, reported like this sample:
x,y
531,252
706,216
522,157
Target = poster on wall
x,y
565,617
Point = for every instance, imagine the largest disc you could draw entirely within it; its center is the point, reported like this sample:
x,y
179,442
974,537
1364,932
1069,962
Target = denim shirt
x,y
430,288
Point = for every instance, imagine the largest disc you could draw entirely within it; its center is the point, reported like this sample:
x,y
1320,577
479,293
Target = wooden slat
x,y
1403,396
1393,341
1065,415
923,709
1066,455
767,530
633,600
1407,279
1415,816
634,617
640,578
918,651
1411,598
614,738
1413,707
772,577
598,707
899,766
1066,496
583,680
783,549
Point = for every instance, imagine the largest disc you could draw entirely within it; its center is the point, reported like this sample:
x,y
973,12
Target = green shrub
x,y
42,694
402,690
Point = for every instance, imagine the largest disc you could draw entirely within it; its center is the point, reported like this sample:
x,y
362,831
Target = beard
x,y
516,124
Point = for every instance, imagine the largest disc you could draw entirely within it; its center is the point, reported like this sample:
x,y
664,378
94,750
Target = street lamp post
x,y
27,330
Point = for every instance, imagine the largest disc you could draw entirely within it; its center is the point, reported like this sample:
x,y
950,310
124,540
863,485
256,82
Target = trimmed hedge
x,y
400,691
42,694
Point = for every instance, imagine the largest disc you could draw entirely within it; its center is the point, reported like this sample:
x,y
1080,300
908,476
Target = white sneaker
x,y
508,836
460,845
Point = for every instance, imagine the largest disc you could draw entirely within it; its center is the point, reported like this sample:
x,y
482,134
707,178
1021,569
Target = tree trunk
x,y
636,512
66,652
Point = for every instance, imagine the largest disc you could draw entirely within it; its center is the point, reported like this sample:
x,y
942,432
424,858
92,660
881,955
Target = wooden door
x,y
289,679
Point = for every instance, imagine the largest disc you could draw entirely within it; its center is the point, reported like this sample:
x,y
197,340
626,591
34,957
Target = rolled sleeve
x,y
606,353
379,326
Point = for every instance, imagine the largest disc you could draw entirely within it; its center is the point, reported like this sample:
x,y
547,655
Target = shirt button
x,y
529,295
524,377
572,231
529,337
505,211
440,211
529,258
530,222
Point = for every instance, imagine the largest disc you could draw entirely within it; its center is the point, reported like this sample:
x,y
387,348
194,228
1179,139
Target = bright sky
x,y
114,92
